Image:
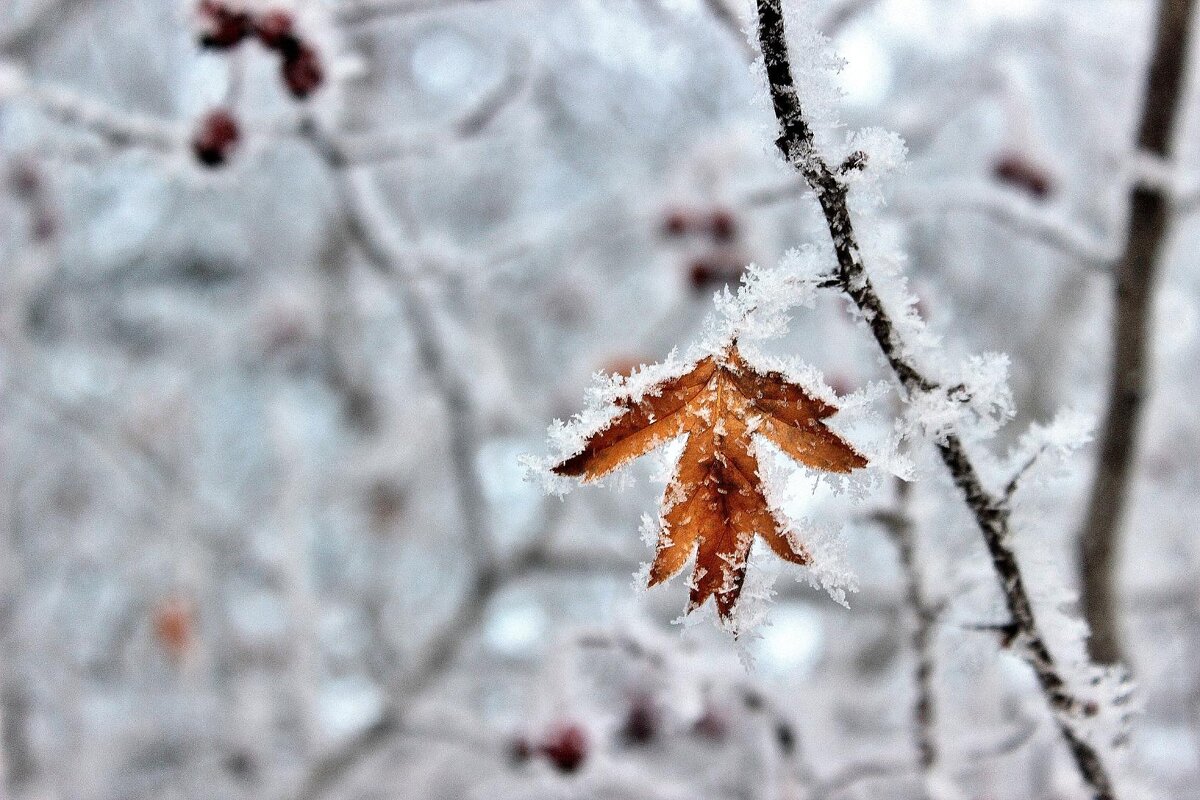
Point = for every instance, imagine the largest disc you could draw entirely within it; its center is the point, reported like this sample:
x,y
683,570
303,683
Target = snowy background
x,y
262,423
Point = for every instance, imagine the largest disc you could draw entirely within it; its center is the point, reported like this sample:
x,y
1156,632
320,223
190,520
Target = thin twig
x,y
430,350
797,144
20,39
488,572
380,146
362,12
1017,216
1133,291
899,524
1014,482
114,127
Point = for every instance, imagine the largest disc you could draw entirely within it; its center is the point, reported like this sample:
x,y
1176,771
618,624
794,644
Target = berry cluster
x,y
215,137
565,746
719,224
722,262
223,28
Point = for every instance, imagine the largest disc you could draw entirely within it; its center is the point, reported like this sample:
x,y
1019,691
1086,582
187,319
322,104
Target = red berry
x,y
713,724
45,226
566,746
387,502
701,273
215,138
723,226
520,750
675,224
1021,173
26,179
715,270
643,720
274,30
302,71
222,28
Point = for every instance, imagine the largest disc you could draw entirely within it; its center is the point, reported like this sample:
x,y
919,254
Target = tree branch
x,y
797,145
899,525
1133,292
1005,210
363,12
114,127
20,39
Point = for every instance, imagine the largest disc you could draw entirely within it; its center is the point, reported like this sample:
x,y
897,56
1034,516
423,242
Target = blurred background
x,y
286,290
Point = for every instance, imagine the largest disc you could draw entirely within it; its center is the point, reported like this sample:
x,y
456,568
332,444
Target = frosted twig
x,y
853,774
1135,276
385,145
362,12
1014,482
899,525
834,19
796,143
1017,216
436,657
20,38
368,236
116,128
491,571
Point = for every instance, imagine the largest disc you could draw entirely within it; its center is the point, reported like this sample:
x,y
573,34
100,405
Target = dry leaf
x,y
716,504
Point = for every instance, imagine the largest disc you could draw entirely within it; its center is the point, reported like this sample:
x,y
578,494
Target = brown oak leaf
x,y
716,505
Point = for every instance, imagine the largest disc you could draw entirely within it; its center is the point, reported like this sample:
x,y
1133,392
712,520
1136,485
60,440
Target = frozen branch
x,y
488,572
114,127
20,38
386,145
796,142
363,12
899,524
1135,276
371,240
1017,216
1014,482
437,655
840,14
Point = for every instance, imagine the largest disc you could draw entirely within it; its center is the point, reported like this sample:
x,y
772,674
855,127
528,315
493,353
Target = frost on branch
x,y
974,401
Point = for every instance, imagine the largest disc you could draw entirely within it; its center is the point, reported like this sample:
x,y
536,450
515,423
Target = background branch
x,y
899,524
1134,283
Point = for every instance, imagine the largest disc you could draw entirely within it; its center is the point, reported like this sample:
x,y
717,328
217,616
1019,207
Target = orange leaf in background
x,y
716,505
173,625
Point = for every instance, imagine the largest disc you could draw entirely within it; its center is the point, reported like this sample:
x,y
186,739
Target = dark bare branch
x,y
1133,292
797,145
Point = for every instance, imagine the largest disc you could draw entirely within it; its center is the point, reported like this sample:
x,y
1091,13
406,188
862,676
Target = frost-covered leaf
x,y
716,503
